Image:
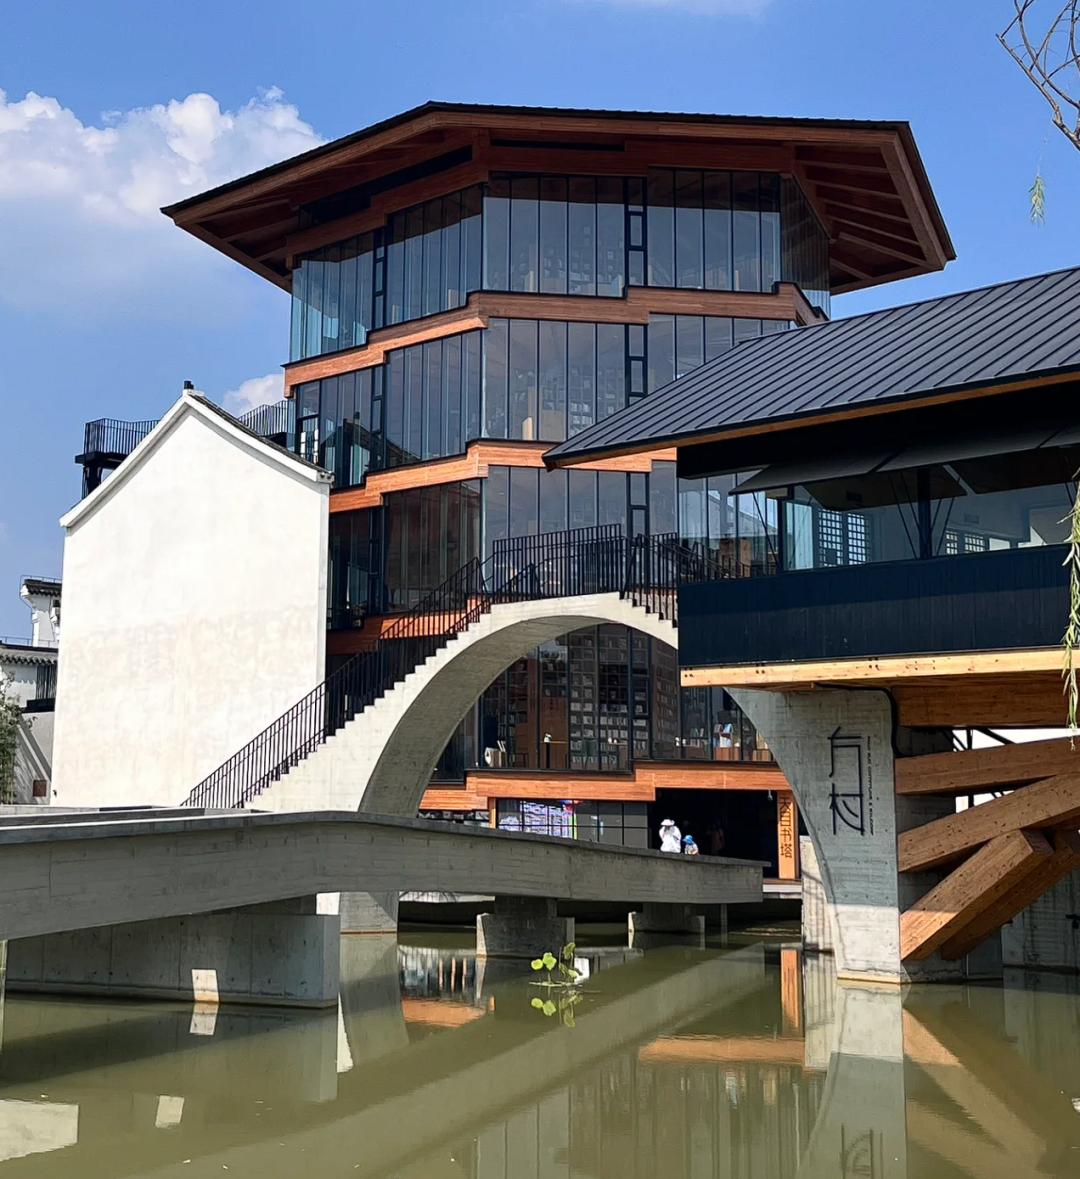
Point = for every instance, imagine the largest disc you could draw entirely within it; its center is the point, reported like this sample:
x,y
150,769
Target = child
x,y
690,848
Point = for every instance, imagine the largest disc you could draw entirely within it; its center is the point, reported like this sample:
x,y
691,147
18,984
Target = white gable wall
x,y
194,612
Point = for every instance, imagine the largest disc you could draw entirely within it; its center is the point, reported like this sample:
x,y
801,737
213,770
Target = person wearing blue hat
x,y
690,848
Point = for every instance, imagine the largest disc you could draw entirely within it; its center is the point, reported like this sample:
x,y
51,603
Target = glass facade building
x,y
521,379
560,235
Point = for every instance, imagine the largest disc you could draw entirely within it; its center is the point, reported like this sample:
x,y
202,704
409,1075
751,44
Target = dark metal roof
x,y
993,336
474,108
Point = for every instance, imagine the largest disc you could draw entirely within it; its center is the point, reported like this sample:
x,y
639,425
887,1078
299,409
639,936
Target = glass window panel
x,y
611,498
552,501
331,320
395,269
453,291
770,230
688,229
689,343
349,265
717,196
396,513
414,403
610,237
524,515
434,442
451,382
552,381
581,276
610,369
496,493
296,313
747,329
472,246
414,263
307,399
581,376
395,409
746,235
692,497
495,348
582,499
663,499
524,233
553,230
522,380
473,382
718,336
497,235
661,228
433,242
312,333
661,358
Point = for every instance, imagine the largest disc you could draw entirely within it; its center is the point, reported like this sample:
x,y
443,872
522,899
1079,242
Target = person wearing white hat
x,y
670,837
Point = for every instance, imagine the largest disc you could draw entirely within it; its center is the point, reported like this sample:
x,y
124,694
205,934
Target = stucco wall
x,y
194,614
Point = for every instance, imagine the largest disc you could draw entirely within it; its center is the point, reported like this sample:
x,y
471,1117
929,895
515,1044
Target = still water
x,y
746,1062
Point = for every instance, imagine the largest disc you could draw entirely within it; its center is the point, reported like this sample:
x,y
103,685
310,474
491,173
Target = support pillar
x,y
660,917
285,953
836,748
369,912
522,927
1046,935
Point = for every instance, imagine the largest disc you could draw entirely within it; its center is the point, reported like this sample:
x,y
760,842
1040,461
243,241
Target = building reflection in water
x,y
749,1063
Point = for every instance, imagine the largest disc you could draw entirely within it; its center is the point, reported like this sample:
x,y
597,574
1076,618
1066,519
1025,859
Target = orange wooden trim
x,y
720,1050
778,676
475,463
484,786
453,798
786,304
791,991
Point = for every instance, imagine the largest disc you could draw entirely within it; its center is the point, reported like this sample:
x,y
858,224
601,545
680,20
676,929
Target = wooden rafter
x,y
978,771
866,239
969,891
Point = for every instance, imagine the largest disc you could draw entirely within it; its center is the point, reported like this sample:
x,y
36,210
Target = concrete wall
x,y
194,610
1046,935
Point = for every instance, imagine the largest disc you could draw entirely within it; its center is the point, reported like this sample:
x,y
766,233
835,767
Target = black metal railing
x,y
559,564
658,565
107,436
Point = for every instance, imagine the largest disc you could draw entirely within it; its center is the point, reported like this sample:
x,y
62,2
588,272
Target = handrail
x,y
554,564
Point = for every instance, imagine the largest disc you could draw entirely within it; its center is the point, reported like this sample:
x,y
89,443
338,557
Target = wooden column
x,y
787,835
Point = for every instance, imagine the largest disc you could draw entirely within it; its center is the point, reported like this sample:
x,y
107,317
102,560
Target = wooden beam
x,y
969,891
884,247
1032,700
1053,802
877,181
976,771
882,672
1042,877
723,1050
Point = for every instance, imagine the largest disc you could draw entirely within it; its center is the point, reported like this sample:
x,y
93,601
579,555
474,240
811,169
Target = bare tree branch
x,y
1046,58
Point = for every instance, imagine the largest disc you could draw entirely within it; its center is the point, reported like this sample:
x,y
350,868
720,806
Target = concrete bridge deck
x,y
80,871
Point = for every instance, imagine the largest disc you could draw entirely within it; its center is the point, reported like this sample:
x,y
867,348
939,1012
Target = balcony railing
x,y
107,441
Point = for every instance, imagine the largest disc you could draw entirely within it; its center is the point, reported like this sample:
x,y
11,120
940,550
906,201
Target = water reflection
x,y
684,1063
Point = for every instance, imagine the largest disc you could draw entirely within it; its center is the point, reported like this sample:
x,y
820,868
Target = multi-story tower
x,y
472,284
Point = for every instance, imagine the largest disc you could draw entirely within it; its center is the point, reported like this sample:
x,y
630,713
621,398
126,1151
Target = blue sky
x,y
105,309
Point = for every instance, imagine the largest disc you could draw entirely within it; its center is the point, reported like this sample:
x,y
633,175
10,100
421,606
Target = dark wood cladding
x,y
865,180
1012,599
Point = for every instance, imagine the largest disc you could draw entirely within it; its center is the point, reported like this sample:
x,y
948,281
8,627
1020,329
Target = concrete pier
x,y
522,927
368,912
284,953
658,917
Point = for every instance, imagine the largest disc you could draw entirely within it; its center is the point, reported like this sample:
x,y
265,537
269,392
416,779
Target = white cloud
x,y
702,7
82,234
254,392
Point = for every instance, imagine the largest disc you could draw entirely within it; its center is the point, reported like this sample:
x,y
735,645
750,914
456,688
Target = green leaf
x,y
572,971
538,1004
538,964
568,951
549,961
549,1008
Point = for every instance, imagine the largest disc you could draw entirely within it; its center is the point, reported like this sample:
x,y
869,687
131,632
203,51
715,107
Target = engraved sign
x,y
851,795
861,1157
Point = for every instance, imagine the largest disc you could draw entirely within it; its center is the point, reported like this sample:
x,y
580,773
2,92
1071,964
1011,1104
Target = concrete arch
x,y
382,761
